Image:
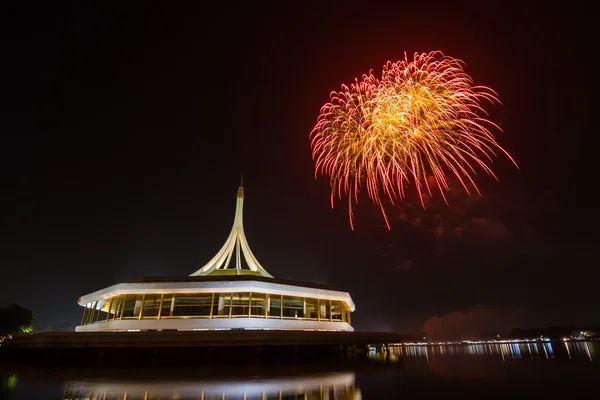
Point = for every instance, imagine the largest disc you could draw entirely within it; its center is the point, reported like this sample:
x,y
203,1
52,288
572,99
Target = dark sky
x,y
126,126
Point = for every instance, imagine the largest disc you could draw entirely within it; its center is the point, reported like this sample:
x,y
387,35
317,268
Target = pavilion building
x,y
223,294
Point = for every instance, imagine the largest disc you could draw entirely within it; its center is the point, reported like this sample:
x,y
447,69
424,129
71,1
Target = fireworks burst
x,y
421,118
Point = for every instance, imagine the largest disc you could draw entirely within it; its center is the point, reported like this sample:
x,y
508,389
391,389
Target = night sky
x,y
126,127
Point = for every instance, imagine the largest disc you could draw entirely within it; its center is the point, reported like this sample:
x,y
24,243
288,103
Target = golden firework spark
x,y
422,117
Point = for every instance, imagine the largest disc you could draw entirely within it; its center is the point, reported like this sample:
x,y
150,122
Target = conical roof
x,y
235,243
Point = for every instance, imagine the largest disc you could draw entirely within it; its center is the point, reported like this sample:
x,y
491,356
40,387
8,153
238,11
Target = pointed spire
x,y
241,188
236,242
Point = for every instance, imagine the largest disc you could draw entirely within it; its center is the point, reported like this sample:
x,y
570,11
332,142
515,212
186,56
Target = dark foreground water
x,y
534,370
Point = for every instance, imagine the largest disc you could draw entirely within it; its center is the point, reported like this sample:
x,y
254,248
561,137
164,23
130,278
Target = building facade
x,y
224,294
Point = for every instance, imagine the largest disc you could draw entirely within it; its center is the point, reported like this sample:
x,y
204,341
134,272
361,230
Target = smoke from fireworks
x,y
423,118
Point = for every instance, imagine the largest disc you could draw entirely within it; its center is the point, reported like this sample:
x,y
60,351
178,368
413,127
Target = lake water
x,y
544,369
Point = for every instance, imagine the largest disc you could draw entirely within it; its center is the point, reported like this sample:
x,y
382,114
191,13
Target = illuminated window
x,y
336,311
257,308
215,304
192,305
293,307
325,309
101,310
131,300
275,306
241,304
167,306
151,305
223,305
115,307
311,308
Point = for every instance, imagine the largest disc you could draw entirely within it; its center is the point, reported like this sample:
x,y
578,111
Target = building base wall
x,y
213,324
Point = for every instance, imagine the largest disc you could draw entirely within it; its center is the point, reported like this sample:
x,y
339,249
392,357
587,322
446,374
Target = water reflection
x,y
534,368
330,386
535,350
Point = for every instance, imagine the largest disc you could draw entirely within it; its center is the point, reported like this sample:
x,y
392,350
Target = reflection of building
x,y
218,297
338,386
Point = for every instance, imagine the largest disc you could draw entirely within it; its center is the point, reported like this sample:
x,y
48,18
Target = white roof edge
x,y
215,287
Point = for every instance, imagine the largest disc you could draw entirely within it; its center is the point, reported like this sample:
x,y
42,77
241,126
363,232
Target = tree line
x,y
15,319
